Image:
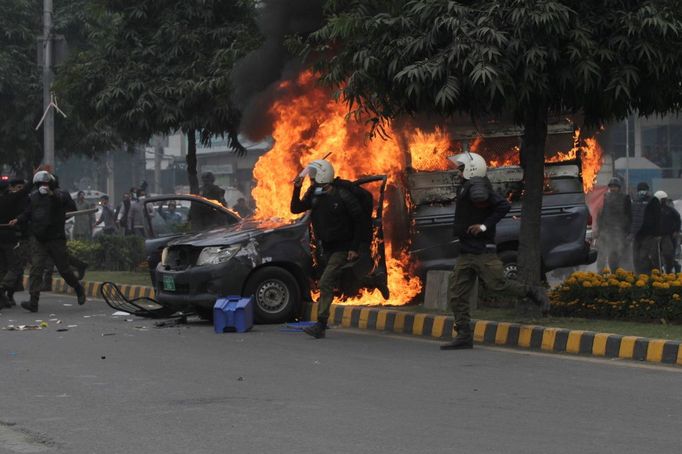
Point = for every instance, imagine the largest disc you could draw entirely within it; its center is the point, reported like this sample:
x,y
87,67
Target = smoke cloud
x,y
255,74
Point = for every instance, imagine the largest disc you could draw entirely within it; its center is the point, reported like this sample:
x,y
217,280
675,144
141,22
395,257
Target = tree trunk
x,y
533,163
191,160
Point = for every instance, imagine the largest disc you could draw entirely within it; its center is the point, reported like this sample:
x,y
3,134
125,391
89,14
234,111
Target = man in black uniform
x,y
210,190
45,215
338,223
478,211
669,232
646,215
13,242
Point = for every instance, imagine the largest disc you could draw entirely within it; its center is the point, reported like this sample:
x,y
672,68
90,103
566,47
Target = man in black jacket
x,y
339,224
45,215
13,241
646,215
669,232
477,212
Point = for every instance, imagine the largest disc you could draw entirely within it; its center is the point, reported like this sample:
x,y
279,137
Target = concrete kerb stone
x,y
546,339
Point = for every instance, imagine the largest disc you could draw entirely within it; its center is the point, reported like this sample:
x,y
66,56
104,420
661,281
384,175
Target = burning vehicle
x,y
272,255
273,260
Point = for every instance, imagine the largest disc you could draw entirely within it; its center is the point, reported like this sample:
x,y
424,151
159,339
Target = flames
x,y
308,124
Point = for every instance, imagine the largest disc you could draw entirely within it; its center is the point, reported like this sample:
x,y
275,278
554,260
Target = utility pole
x,y
48,126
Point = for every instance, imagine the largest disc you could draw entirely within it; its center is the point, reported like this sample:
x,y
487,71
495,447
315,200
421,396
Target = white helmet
x,y
321,171
474,164
660,195
42,177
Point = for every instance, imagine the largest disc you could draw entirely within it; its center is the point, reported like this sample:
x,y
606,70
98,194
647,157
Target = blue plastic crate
x,y
233,314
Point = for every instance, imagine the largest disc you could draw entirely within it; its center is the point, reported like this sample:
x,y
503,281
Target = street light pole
x,y
48,125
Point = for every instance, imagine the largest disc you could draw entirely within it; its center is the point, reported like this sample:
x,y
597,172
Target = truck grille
x,y
181,257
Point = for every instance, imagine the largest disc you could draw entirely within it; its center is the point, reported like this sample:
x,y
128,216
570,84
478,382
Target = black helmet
x,y
642,186
615,181
207,178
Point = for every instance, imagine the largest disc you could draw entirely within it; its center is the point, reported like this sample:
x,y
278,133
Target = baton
x,y
81,212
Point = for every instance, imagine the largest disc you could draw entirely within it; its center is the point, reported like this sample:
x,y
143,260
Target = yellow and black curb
x,y
541,338
92,289
547,339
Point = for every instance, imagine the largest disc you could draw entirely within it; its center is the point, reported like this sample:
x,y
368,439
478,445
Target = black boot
x,y
32,304
10,298
539,296
4,301
317,330
80,294
463,341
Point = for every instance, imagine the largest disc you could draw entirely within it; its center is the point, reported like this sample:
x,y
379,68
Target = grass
x,y
653,330
119,277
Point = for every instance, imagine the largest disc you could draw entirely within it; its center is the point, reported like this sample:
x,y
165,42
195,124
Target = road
x,y
113,386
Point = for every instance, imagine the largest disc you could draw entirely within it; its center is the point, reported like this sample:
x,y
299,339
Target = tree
x,y
20,89
525,58
157,66
21,96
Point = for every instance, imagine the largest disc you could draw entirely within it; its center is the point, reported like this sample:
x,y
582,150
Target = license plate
x,y
169,283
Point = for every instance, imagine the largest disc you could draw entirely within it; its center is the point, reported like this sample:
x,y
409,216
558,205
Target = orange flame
x,y
308,124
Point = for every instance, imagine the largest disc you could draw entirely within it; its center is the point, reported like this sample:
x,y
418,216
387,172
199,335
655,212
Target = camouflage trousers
x,y
489,269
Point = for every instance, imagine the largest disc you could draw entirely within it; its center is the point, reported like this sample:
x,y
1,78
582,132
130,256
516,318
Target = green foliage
x,y
156,66
600,59
21,95
110,252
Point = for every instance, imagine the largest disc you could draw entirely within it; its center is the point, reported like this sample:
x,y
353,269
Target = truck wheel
x,y
510,264
276,294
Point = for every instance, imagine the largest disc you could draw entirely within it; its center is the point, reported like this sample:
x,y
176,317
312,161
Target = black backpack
x,y
363,197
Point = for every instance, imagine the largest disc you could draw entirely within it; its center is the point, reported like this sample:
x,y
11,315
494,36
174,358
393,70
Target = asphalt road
x,y
113,386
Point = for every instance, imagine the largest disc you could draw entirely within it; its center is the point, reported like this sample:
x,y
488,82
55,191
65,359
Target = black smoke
x,y
255,74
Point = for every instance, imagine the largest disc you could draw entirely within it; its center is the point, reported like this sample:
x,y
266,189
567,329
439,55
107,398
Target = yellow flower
x,y
676,297
640,283
587,284
625,285
655,271
664,285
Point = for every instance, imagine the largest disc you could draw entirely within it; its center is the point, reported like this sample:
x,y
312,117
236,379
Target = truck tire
x,y
276,294
509,263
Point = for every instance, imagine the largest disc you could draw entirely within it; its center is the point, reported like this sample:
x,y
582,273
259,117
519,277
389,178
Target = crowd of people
x,y
128,217
644,228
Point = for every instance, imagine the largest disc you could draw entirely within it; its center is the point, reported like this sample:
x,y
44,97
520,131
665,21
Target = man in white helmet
x,y
339,224
45,216
669,231
477,212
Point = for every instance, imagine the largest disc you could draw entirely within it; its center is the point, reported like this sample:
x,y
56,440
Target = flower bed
x,y
620,295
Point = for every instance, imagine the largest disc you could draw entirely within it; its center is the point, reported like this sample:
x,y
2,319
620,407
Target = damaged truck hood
x,y
238,233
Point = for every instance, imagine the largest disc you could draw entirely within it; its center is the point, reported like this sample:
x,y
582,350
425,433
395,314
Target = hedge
x,y
111,252
620,295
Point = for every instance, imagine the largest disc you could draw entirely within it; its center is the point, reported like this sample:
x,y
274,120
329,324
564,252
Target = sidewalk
x,y
533,337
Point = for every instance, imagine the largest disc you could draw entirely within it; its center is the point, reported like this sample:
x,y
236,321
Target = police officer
x,y
210,190
338,223
646,215
45,215
478,210
613,223
669,232
12,241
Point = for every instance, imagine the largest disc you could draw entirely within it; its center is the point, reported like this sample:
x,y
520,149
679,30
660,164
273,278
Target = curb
x,y
532,337
92,289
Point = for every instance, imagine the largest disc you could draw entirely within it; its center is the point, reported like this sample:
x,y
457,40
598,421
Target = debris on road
x,y
119,313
